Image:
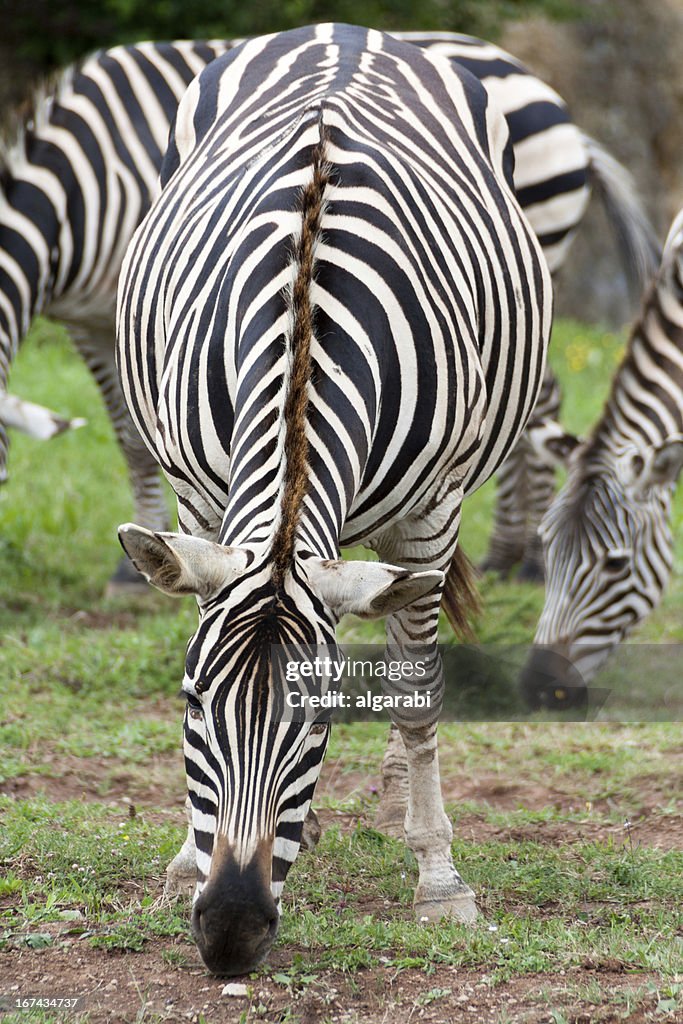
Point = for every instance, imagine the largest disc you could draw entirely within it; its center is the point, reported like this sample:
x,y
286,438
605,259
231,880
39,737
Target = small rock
x,y
70,915
235,988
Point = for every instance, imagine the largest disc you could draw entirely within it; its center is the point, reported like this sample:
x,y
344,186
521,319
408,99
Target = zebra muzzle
x,y
235,918
550,680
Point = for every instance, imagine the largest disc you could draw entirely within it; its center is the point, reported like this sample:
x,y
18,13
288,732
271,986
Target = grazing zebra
x,y
332,326
81,172
607,537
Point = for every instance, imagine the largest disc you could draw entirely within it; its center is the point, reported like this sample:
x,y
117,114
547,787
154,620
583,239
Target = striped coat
x,y
332,327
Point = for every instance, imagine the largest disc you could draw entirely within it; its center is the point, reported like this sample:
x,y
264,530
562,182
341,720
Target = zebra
x,y
607,536
82,170
332,326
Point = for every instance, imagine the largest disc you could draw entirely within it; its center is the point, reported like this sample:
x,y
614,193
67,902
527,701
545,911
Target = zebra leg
x,y
540,493
97,349
506,544
525,487
181,873
440,892
540,482
393,801
412,637
4,449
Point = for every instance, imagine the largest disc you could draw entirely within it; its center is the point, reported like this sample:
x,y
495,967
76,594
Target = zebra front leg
x,y
524,489
506,544
393,801
440,892
427,541
181,873
540,482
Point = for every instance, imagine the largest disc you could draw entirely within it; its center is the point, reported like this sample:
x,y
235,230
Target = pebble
x,y
235,988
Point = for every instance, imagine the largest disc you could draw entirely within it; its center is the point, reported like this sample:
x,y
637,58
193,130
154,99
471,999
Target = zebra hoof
x,y
390,820
311,831
178,884
127,582
181,873
460,906
181,877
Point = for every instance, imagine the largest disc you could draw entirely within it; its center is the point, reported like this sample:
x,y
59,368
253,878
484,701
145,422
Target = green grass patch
x,y
90,686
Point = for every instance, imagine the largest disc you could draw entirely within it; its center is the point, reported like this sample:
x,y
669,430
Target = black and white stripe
x,y
607,536
332,327
81,172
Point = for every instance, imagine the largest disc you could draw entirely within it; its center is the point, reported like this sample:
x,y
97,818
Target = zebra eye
x,y
318,728
194,707
616,564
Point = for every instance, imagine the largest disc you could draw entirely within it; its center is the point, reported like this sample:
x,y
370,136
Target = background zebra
x,y
81,172
607,536
332,326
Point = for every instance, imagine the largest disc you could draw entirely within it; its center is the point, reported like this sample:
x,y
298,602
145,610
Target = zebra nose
x,y
233,938
550,680
234,920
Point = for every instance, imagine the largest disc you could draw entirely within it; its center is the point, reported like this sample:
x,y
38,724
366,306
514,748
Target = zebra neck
x,y
259,528
645,405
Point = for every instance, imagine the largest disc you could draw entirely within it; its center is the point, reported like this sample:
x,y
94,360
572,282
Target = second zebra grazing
x,y
607,536
332,327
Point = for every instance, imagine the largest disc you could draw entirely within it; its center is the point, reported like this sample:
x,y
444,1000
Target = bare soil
x,y
121,986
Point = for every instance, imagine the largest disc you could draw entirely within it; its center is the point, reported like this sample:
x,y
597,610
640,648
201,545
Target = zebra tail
x,y
461,601
635,234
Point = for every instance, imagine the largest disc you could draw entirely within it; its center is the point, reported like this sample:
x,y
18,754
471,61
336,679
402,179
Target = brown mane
x,y
296,401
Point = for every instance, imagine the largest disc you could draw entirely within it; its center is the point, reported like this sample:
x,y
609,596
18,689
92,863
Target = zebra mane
x,y
296,400
606,431
31,117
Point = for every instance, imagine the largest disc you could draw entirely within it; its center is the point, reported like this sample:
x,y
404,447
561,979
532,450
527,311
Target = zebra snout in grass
x,y
235,918
550,680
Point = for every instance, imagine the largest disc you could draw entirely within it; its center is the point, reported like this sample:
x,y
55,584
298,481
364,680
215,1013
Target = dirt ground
x,y
127,984
143,986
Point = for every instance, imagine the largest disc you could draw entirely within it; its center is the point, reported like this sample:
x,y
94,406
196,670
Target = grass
x,y
81,857
90,698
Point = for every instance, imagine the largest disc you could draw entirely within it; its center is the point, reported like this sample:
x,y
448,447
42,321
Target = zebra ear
x,y
660,466
550,442
667,461
31,419
177,563
368,589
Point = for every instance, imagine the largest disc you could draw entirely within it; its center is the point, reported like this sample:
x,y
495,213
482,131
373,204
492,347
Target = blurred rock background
x,y
616,62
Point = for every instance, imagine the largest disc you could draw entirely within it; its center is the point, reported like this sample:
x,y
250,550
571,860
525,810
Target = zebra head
x,y
606,538
251,770
608,552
